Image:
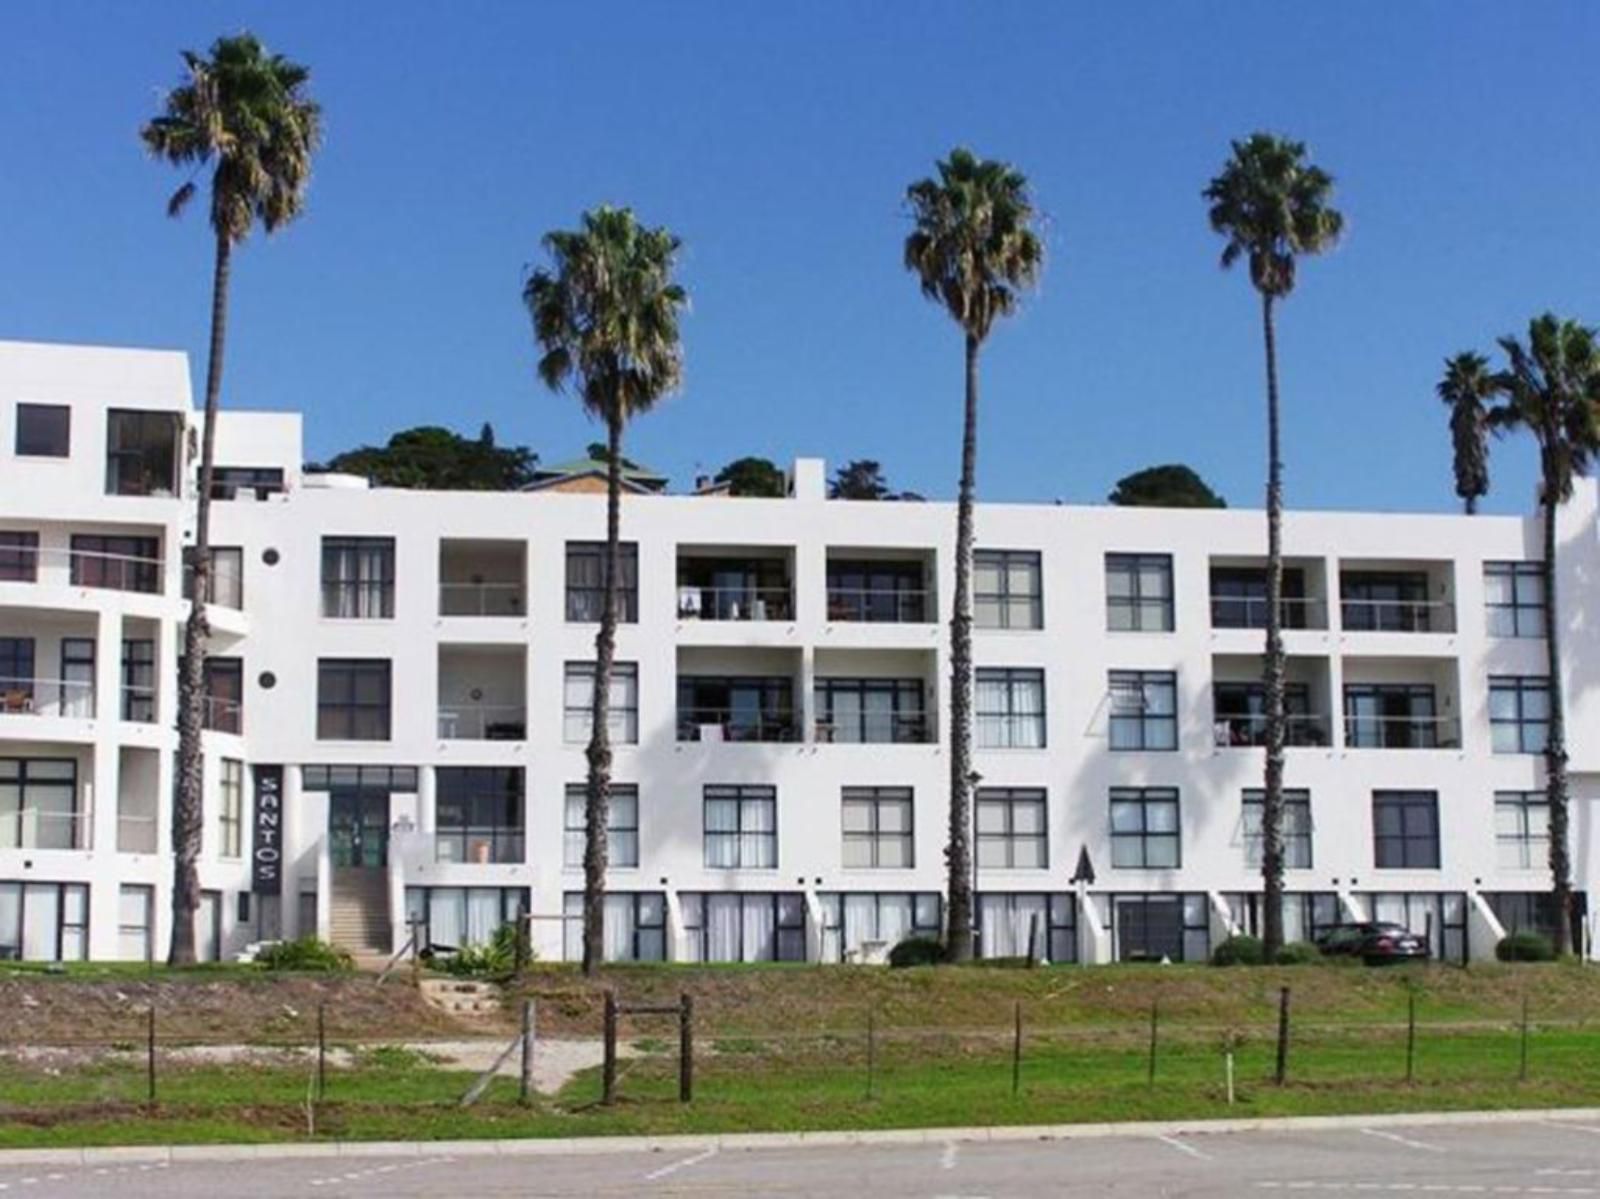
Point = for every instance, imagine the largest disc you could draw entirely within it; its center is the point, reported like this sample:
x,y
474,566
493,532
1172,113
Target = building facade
x,y
399,684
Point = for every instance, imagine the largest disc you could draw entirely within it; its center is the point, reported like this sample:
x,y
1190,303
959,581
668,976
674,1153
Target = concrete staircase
x,y
461,997
360,911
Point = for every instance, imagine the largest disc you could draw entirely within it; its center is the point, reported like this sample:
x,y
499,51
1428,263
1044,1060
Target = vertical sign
x,y
266,851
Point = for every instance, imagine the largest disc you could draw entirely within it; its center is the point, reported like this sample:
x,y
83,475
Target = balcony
x,y
482,693
33,827
737,709
874,697
1408,597
482,578
754,585
887,587
1239,702
1239,594
71,699
1394,703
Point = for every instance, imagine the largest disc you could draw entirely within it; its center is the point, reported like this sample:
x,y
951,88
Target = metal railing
x,y
887,728
40,828
69,698
1397,616
880,605
1401,732
136,834
83,568
483,722
1250,612
734,603
1300,731
481,599
727,724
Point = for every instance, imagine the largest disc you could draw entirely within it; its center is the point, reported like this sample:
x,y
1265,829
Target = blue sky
x,y
777,141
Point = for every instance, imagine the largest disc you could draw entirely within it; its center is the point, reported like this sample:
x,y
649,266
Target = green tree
x,y
1171,486
1272,206
754,477
1467,387
860,479
245,114
598,452
605,313
1551,388
974,250
431,458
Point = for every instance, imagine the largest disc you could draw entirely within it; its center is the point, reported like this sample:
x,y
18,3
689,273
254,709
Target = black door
x,y
358,827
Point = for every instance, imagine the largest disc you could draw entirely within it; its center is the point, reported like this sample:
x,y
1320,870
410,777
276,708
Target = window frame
x,y
1134,602
577,724
1406,801
619,832
1144,837
1009,721
1532,734
907,714
15,768
357,598
1031,563
1008,800
1517,611
481,803
230,809
1295,800
1145,721
744,796
26,442
873,799
1532,849
353,668
19,556
582,602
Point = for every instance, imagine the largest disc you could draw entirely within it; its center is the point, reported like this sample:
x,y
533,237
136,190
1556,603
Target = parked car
x,y
1376,942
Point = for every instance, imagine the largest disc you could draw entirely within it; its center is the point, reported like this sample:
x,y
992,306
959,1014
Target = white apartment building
x,y
399,696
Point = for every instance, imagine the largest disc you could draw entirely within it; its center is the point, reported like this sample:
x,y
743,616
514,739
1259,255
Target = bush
x,y
1525,947
1238,951
497,957
1299,953
306,953
917,951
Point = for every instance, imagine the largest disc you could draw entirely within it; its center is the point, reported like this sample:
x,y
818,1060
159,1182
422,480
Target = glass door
x,y
77,677
358,827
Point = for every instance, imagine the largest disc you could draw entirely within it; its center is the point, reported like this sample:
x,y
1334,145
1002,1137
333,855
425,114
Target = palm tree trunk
x,y
1272,797
188,805
1555,753
958,853
1471,505
597,798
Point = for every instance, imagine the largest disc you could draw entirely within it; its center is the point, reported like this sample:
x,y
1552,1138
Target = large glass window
x,y
136,922
455,917
1241,715
1391,716
1139,593
39,804
230,809
1519,713
744,926
1165,927
1009,708
225,583
877,828
116,563
1296,829
353,696
228,482
1405,830
139,679
44,922
1007,591
16,674
736,709
1239,598
741,828
579,703
859,925
879,592
622,827
358,578
479,814
1143,710
1513,598
19,557
142,452
586,582
1011,828
224,685
635,925
875,711
1387,602
44,430
1522,830
1012,923
1145,833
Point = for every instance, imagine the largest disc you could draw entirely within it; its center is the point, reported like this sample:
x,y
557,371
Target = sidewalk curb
x,y
734,1142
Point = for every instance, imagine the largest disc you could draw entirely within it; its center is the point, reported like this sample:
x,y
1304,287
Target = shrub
x,y
1525,947
917,951
497,956
1238,951
306,953
1299,953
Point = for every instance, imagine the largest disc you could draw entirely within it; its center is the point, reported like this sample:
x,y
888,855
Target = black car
x,y
1376,942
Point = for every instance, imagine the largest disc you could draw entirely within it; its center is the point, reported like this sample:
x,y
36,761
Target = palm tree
x,y
974,250
244,113
1272,206
1552,389
606,316
1467,387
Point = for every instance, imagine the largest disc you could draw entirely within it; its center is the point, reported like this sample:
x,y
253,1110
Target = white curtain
x,y
41,911
894,918
760,933
758,849
692,910
722,928
483,914
619,928
447,916
722,839
572,929
11,919
1027,697
652,927
990,705
208,926
832,928
993,927
860,921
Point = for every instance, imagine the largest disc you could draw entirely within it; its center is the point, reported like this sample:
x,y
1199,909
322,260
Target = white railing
x,y
82,568
70,698
1401,732
1250,612
880,605
1397,616
483,722
39,828
481,599
136,834
877,728
728,724
734,603
1300,730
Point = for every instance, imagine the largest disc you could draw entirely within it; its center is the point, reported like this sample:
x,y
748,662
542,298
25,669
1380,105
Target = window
x,y
1241,715
1386,602
1239,598
736,709
224,688
225,583
1391,716
635,925
1144,828
744,926
858,923
622,827
1522,829
228,481
877,828
39,804
1405,830
230,810
1296,829
741,828
353,699
142,452
875,711
586,582
44,430
1007,592
135,917
16,674
116,563
1011,828
19,557
579,702
1519,713
139,679
358,578
479,814
1009,923
1153,928
1513,598
1144,710
456,916
401,779
878,592
44,922
1009,708
1139,593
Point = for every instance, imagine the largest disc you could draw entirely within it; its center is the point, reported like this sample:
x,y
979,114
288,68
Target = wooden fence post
x,y
1016,1052
685,1048
322,1050
1522,1068
871,1052
150,1057
609,1068
1155,1020
1411,1034
1282,1072
525,1087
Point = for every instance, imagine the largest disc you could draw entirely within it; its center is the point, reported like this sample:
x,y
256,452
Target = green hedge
x,y
1525,947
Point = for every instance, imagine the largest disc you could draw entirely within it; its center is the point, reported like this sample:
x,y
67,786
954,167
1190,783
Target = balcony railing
x,y
1397,616
889,728
222,715
483,722
83,568
1250,612
1402,732
879,605
139,704
726,724
136,834
481,599
40,828
479,846
70,698
1300,731
735,603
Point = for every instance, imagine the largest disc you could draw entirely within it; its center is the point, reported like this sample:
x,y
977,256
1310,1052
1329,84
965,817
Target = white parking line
x,y
1182,1147
676,1166
947,1159
1400,1140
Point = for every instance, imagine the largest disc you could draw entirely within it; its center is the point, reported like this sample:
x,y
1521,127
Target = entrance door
x,y
358,827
